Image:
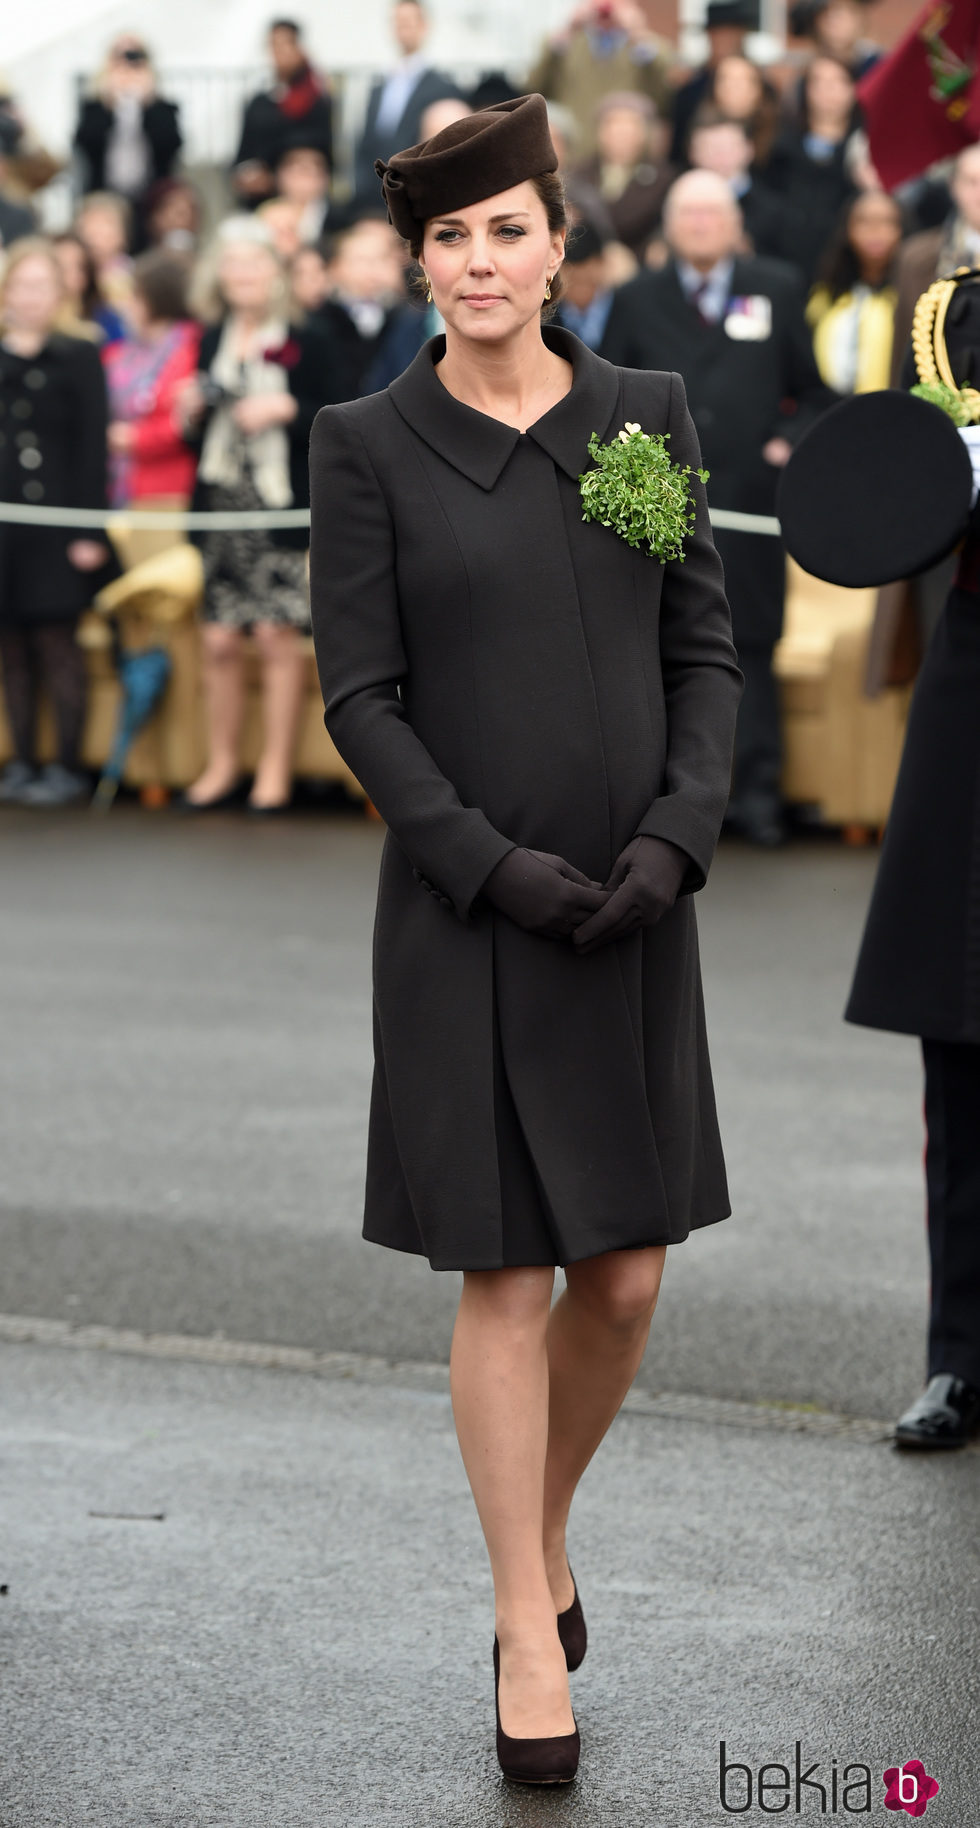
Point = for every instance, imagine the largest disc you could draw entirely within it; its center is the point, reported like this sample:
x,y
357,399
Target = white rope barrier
x,y
185,520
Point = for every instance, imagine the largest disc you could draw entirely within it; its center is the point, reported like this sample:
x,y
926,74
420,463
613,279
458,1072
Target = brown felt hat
x,y
470,159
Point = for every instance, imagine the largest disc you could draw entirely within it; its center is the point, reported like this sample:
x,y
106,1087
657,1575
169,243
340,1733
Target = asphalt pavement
x,y
245,1580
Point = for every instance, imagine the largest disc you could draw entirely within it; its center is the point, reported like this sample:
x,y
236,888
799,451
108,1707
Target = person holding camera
x,y
127,136
249,410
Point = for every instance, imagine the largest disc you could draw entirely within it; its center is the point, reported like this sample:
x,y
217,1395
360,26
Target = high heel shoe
x,y
571,1630
534,1761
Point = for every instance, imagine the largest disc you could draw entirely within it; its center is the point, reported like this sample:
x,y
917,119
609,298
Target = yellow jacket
x,y
852,337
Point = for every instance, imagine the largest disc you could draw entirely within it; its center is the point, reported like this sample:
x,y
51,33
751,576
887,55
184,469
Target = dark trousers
x,y
758,740
953,1190
44,653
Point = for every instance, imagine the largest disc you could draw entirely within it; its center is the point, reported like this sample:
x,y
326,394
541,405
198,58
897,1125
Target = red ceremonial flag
x,y
922,102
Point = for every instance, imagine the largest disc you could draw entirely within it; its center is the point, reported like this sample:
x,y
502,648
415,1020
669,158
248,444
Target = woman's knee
x,y
620,1287
221,642
275,641
518,1297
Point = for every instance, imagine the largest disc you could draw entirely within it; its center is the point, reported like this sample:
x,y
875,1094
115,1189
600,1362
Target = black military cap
x,y
878,489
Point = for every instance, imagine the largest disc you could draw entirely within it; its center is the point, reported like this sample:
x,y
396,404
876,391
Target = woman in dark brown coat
x,y
544,717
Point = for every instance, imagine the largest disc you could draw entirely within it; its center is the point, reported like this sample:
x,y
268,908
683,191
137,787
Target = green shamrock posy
x,y
638,492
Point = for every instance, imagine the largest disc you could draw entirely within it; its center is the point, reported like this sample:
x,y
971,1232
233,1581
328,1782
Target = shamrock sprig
x,y
638,492
960,403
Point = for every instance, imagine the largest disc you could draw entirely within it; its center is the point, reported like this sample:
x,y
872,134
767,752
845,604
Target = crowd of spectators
x,y
220,337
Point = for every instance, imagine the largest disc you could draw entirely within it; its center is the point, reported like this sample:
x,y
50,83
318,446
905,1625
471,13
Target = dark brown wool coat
x,y
497,672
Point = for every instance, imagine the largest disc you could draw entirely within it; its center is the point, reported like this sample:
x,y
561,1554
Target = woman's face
x,y
102,232
738,87
247,274
310,279
32,294
829,89
488,264
875,230
623,137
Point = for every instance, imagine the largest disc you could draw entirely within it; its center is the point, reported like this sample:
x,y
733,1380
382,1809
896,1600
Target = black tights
x,y
45,652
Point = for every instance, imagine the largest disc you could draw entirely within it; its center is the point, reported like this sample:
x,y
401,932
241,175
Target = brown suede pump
x,y
534,1761
571,1630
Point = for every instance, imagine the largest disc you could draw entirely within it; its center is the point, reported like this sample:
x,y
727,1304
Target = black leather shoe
x,y
571,1630
945,1415
534,1761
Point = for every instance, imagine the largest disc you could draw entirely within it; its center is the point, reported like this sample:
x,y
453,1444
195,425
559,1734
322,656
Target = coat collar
x,y
478,445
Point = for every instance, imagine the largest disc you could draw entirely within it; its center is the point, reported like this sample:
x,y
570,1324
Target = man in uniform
x,y
882,490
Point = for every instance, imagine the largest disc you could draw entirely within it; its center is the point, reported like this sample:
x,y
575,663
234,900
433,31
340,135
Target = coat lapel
x,y
478,445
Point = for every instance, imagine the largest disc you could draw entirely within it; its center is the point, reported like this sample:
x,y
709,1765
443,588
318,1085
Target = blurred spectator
x,y
173,215
809,166
733,326
309,281
367,286
16,219
605,45
250,408
303,180
398,101
127,135
408,329
724,146
937,252
738,89
852,307
299,102
835,26
587,295
102,222
726,23
582,198
53,396
442,114
85,311
629,170
25,165
281,220
150,462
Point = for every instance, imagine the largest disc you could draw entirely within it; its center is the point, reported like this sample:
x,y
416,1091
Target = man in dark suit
x,y
733,327
724,146
398,101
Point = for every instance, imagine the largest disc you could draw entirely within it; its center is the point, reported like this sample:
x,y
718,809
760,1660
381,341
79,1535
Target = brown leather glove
x,y
644,883
542,893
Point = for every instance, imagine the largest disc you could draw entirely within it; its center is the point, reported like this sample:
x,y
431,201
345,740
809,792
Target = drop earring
x,y
547,290
428,290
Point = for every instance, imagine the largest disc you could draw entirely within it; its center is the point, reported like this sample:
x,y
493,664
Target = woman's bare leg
x,y
499,1383
283,668
223,661
596,1337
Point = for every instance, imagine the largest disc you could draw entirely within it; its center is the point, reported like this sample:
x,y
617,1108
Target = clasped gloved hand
x,y
542,893
643,883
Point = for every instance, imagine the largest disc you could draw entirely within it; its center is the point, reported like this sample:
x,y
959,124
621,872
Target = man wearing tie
x,y
733,327
397,102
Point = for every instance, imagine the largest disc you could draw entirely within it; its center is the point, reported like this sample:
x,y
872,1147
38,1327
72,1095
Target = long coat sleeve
x,y
498,672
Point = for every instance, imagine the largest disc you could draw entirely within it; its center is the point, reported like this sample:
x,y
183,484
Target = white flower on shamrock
x,y
630,432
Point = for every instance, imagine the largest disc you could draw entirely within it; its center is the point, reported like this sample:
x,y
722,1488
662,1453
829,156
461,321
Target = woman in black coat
x,y
544,717
127,136
53,418
260,384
